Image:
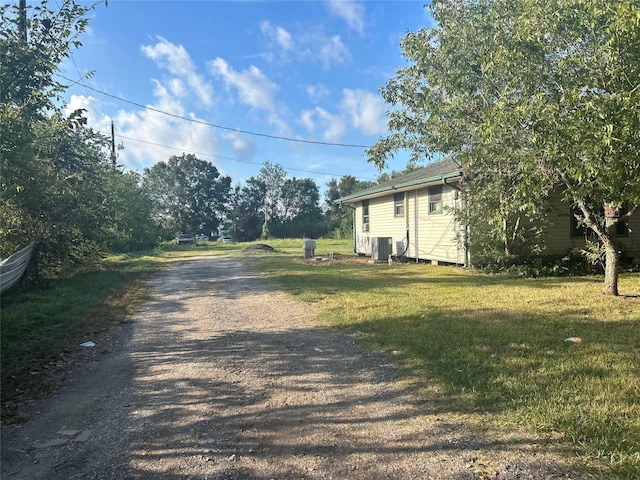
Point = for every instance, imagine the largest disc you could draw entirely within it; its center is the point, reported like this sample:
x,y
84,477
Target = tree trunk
x,y
611,269
505,237
612,255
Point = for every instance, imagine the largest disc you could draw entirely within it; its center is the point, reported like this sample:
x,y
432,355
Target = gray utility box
x,y
381,248
309,248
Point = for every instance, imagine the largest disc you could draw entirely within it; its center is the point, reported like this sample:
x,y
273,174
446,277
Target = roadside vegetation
x,y
488,347
41,331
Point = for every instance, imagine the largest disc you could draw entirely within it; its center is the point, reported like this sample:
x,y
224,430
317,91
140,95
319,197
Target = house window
x,y
577,229
398,204
365,215
435,199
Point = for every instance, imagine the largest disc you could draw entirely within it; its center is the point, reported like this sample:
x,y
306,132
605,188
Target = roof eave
x,y
400,187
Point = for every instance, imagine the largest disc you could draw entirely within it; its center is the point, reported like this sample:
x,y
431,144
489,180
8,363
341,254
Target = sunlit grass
x,y
494,346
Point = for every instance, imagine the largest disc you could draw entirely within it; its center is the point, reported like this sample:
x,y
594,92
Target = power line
x,y
225,158
202,122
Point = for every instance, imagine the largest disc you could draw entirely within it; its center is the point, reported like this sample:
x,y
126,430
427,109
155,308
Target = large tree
x,y
273,176
189,194
298,212
128,223
542,93
245,218
51,191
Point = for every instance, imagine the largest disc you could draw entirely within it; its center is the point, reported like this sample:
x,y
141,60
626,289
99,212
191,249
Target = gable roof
x,y
434,173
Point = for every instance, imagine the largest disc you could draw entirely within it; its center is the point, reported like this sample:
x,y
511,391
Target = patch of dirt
x,y
221,376
259,247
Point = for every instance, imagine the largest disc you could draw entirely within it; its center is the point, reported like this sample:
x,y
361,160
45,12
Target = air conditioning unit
x,y
309,248
365,227
381,248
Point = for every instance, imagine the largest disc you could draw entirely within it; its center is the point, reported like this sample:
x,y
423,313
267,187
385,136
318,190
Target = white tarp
x,y
12,268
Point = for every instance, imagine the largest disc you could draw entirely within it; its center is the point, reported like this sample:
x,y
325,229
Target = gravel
x,y
221,376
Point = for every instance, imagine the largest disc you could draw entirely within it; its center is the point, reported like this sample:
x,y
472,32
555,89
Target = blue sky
x,y
304,70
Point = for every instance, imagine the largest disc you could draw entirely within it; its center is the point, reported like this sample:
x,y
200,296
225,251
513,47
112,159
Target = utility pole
x,y
22,25
113,145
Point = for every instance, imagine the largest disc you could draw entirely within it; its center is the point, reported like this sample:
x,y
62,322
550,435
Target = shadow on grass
x,y
521,368
511,359
42,330
366,277
482,360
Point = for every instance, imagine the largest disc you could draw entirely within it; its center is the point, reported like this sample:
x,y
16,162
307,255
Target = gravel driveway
x,y
221,376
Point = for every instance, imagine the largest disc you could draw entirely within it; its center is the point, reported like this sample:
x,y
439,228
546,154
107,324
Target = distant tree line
x,y
189,195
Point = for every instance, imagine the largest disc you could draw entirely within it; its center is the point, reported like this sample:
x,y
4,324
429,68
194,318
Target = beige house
x,y
411,217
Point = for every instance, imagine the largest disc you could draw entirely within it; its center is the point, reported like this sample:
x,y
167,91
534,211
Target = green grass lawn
x,y
485,346
494,346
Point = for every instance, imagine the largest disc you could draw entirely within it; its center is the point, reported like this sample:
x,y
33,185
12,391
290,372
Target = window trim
x,y
365,212
435,205
398,204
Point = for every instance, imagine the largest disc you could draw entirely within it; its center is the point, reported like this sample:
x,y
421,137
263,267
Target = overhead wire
x,y
223,157
209,124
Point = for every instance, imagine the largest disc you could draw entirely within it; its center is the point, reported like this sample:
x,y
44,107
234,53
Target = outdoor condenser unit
x,y
381,248
309,248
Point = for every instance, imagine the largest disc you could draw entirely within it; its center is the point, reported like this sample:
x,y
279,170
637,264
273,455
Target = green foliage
x,y
28,65
266,233
245,217
298,214
572,264
594,253
188,195
128,222
273,177
339,218
58,188
273,205
529,96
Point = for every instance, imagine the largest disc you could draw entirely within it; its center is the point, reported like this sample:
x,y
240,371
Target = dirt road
x,y
221,376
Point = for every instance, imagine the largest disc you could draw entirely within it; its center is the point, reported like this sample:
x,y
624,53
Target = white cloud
x,y
366,111
317,92
95,118
306,119
253,87
177,61
161,137
333,51
333,127
310,46
244,148
351,12
277,34
150,137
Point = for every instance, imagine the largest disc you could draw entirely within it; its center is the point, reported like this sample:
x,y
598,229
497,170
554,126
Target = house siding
x,y
557,237
382,223
431,237
421,236
436,235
